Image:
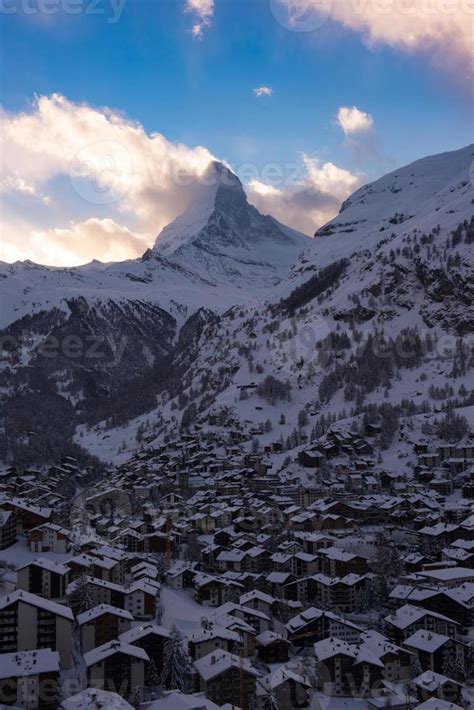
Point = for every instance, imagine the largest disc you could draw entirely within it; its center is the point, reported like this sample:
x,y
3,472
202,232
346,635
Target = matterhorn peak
x,y
220,175
221,236
218,184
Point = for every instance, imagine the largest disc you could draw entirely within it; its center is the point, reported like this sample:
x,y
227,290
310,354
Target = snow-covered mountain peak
x,y
222,237
217,188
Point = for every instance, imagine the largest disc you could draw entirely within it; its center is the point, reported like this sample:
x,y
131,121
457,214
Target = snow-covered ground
x,y
181,610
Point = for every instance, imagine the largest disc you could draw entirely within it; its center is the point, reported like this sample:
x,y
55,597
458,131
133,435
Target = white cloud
x,y
109,164
311,200
79,243
203,11
443,28
353,120
14,183
263,91
113,187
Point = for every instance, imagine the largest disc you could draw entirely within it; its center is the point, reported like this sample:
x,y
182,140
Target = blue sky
x,y
149,68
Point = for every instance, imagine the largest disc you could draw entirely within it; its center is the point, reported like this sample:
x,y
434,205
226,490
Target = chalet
x,y
355,669
102,624
144,570
30,679
215,637
49,538
311,458
441,533
47,578
29,622
337,563
259,601
151,638
315,624
435,685
408,619
290,689
272,647
277,581
140,599
222,676
256,619
434,649
27,516
116,665
214,591
336,659
7,529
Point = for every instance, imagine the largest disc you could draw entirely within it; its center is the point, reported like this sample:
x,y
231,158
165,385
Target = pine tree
x,y
176,673
152,679
415,667
160,564
81,598
270,700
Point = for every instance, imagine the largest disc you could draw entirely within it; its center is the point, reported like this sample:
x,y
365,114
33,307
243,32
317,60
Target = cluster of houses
x,y
359,587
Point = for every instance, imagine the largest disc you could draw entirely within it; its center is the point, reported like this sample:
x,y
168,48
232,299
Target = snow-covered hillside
x,y
377,311
437,190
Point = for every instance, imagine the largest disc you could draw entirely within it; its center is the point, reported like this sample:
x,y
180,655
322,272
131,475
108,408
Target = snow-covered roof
x,y
110,649
280,676
139,632
437,704
447,574
174,700
95,699
329,647
33,600
28,663
428,641
87,616
407,614
47,564
215,632
268,637
431,681
306,617
256,594
218,662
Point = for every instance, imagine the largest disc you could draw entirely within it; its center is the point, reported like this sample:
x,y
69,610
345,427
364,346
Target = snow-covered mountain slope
x,y
437,190
227,239
27,288
378,319
377,311
220,252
